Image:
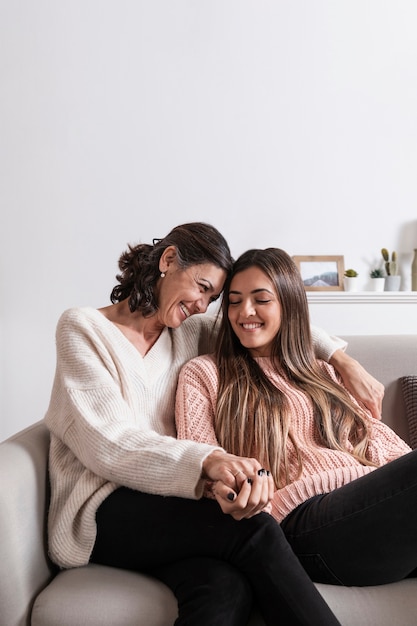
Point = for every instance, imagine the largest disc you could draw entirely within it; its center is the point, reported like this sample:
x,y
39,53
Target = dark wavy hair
x,y
196,243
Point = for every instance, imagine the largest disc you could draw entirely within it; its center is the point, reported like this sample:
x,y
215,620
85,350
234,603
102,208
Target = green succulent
x,y
351,273
390,266
377,273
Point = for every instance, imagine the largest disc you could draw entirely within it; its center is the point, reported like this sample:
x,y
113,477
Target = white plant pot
x,y
350,283
392,283
377,284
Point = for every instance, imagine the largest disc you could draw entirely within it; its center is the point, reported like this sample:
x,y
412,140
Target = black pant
x,y
364,533
196,549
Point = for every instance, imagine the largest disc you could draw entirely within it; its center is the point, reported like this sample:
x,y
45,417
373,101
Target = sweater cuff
x,y
325,345
200,487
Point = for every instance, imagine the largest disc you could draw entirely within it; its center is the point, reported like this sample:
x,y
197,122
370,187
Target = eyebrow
x,y
253,291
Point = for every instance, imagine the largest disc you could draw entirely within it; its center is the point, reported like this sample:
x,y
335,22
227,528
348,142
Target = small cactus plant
x,y
351,273
390,266
376,273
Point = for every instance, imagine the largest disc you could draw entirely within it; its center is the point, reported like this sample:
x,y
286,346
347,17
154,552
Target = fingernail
x,y
268,473
261,472
231,496
250,481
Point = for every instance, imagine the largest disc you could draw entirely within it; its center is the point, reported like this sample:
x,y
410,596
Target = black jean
x,y
212,562
364,533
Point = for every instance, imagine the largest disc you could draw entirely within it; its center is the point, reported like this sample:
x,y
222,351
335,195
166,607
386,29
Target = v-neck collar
x,y
158,354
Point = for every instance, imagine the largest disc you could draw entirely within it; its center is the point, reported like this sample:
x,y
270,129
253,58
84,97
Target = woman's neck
x,y
142,332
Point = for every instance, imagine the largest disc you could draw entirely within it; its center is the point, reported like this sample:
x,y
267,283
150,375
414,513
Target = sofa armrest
x,y
388,358
24,565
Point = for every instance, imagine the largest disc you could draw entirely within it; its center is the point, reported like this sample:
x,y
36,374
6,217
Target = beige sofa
x,y
33,592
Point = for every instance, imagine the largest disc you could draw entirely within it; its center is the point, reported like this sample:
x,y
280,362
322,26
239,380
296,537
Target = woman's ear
x,y
168,257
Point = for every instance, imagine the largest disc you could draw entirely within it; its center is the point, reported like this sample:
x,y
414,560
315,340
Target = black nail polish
x,y
231,496
261,472
250,481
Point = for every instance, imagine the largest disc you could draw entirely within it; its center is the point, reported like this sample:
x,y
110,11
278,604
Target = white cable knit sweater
x,y
323,469
111,417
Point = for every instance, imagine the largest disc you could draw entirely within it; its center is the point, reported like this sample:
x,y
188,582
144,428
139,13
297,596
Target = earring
x,y
162,274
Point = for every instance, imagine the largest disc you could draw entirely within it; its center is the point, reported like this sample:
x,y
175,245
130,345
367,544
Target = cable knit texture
x,y
323,469
111,417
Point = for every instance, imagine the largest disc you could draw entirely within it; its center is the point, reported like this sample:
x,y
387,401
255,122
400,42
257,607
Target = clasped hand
x,y
242,487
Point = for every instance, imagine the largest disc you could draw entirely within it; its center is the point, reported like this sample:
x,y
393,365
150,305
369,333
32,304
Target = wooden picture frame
x,y
321,273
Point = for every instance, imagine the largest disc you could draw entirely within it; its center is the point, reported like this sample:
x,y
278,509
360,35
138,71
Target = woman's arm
x,y
102,420
194,416
196,401
364,387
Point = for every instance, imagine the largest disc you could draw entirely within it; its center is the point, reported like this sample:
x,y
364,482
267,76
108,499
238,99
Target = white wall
x,y
289,123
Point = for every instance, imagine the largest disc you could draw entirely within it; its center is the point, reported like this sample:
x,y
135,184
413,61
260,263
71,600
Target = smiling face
x,y
184,292
254,310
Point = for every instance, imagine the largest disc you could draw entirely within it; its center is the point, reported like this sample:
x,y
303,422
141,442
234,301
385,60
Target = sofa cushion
x,y
409,389
373,606
98,595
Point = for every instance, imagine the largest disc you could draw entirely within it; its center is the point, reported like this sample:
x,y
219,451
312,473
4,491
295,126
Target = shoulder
x,y
78,316
198,380
202,363
81,323
201,322
198,332
200,369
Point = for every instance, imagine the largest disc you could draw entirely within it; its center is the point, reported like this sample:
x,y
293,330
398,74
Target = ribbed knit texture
x,y
323,469
111,417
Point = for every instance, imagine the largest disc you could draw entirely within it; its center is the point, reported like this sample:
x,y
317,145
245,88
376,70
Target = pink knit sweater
x,y
323,469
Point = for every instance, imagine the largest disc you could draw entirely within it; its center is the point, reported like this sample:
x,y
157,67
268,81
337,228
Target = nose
x,y
201,305
247,309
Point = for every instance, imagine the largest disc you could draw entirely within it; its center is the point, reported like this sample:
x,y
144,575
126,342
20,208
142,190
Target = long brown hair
x,y
253,417
196,243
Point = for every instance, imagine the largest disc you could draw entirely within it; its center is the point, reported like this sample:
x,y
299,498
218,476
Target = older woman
x,y
125,491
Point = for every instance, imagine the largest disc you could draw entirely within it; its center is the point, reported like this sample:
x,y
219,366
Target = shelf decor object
x,y
321,273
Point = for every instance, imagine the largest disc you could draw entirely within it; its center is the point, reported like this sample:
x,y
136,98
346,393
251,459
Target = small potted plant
x,y
392,279
350,280
377,279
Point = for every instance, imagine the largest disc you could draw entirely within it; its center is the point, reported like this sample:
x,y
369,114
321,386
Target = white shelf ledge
x,y
364,312
362,297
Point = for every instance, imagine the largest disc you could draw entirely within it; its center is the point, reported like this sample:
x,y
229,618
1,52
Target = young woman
x,y
342,477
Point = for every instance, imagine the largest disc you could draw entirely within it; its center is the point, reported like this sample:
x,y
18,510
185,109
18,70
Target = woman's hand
x,y
364,387
242,487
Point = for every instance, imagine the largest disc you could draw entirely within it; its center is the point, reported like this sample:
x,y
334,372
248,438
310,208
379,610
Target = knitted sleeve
x,y
196,400
324,344
385,445
195,405
95,412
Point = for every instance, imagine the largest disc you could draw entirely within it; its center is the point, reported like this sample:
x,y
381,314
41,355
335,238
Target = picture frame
x,y
321,273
